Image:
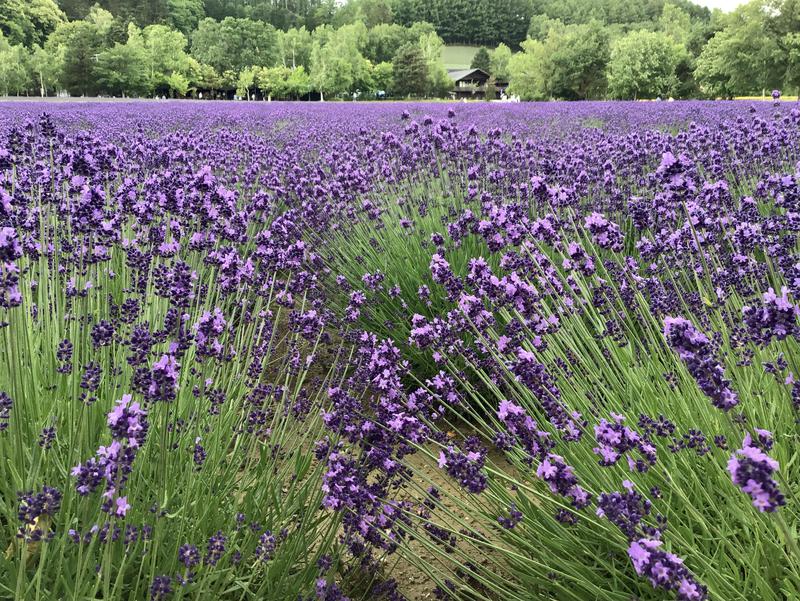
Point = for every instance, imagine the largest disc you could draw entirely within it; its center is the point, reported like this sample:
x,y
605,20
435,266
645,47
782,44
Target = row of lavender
x,y
533,350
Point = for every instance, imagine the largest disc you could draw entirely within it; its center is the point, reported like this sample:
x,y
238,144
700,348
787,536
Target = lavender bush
x,y
528,351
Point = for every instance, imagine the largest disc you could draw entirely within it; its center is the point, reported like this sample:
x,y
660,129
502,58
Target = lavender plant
x,y
281,352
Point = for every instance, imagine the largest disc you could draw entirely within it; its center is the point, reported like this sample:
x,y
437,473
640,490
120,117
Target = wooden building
x,y
474,84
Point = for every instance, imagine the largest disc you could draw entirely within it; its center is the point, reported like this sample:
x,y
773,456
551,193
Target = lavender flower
x,y
605,233
695,349
751,470
775,318
561,479
6,404
35,511
665,570
466,466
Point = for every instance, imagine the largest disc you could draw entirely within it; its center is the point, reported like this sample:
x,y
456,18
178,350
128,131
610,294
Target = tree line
x,y
544,49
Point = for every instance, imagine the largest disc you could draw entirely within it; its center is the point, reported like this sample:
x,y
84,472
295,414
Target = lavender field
x,y
399,351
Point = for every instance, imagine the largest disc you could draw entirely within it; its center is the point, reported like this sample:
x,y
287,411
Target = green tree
x,y
643,65
570,63
165,50
540,25
294,47
499,59
410,71
246,81
482,60
184,15
205,77
525,78
178,84
676,23
233,44
122,69
282,14
299,82
792,77
46,68
383,76
337,65
80,44
273,81
29,22
745,57
439,82
384,40
369,12
14,74
474,21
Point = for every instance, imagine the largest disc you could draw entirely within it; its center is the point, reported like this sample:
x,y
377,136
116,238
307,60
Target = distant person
x,y
776,97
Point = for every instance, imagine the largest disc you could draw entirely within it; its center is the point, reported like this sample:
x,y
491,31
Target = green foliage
x,y
472,21
369,12
141,12
184,15
13,67
29,22
383,76
165,51
282,82
282,14
233,44
122,69
384,40
643,65
299,83
676,23
746,57
272,81
206,77
630,14
410,71
540,26
792,42
570,63
79,44
178,83
295,47
246,81
439,82
482,60
498,62
46,68
337,65
752,50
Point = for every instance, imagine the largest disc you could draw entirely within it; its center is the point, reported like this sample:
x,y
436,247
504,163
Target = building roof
x,y
459,74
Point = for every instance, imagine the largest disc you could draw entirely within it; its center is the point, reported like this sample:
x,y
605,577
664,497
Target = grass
x,y
458,57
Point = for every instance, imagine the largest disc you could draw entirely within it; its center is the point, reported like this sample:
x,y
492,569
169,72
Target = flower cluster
x,y
776,317
6,404
665,570
751,469
35,512
113,464
562,480
615,440
466,465
696,351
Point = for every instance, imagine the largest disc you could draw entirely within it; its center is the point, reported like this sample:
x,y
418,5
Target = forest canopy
x,y
544,49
